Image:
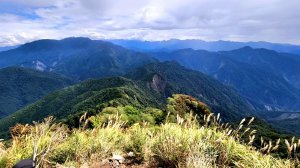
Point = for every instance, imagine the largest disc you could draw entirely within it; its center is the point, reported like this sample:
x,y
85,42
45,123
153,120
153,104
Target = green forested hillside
x,y
21,86
70,103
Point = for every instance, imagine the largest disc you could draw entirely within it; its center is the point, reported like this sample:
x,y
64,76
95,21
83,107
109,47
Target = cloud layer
x,y
236,20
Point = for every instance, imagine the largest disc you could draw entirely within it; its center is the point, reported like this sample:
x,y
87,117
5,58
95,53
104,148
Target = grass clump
x,y
37,142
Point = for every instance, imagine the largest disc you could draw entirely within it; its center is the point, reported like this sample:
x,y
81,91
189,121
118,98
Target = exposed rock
x,y
118,158
130,154
158,83
29,163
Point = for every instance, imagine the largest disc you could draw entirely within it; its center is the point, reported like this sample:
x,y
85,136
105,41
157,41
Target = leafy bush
x,y
128,114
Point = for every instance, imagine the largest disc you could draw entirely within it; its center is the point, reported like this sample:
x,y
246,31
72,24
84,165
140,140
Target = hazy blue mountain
x,y
80,58
264,82
283,64
20,87
7,48
102,61
176,44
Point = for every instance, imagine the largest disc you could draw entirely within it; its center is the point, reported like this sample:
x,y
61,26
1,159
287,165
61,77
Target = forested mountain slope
x,y
20,87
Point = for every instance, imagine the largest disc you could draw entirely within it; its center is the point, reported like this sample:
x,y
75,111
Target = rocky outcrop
x,y
158,83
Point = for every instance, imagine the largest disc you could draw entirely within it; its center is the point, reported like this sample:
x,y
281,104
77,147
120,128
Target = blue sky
x,y
236,20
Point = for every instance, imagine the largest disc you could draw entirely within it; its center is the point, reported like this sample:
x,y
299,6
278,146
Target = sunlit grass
x,y
182,144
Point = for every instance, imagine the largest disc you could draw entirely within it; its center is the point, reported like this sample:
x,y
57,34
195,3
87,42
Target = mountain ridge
x,y
221,45
80,58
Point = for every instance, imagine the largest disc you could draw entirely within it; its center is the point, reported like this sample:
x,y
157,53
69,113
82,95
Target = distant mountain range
x,y
7,48
176,44
268,79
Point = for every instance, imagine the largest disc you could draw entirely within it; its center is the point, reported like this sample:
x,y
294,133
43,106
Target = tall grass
x,y
36,142
181,144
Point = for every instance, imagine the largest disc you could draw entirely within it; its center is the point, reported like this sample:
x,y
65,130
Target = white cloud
x,y
266,20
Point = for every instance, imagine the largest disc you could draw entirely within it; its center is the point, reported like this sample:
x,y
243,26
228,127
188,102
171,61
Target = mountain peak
x,y
250,49
76,39
246,48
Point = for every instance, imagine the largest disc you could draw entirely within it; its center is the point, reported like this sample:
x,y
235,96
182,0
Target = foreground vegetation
x,y
189,135
168,145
